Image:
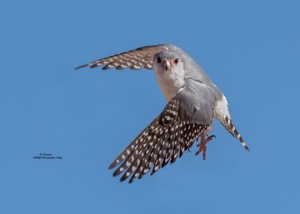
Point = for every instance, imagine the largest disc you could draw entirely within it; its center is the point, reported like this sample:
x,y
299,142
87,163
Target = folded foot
x,y
202,145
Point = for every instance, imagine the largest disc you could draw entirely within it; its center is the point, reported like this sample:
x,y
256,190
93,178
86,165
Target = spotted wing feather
x,y
165,139
133,59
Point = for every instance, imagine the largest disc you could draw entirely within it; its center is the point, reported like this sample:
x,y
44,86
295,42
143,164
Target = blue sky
x,y
251,50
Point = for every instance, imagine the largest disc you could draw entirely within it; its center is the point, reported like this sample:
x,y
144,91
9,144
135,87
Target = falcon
x,y
193,102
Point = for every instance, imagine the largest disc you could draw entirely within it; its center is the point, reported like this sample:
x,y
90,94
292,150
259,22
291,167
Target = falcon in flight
x,y
193,102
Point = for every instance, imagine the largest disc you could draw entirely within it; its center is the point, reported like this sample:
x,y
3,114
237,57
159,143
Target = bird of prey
x,y
193,102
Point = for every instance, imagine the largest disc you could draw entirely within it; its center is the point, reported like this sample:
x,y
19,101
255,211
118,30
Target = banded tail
x,y
227,123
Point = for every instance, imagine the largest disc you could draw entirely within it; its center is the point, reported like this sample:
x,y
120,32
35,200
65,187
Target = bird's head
x,y
169,71
166,61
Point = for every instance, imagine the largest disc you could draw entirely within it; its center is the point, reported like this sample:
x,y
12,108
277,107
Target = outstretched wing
x,y
135,59
167,137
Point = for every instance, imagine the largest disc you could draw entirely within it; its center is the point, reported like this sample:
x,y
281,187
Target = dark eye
x,y
158,60
176,60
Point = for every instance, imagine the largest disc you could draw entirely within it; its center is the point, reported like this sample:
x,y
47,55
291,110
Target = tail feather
x,y
227,123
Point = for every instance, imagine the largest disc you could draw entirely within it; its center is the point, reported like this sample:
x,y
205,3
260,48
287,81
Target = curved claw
x,y
213,136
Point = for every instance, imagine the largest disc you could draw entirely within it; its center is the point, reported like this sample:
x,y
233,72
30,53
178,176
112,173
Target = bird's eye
x,y
158,60
176,60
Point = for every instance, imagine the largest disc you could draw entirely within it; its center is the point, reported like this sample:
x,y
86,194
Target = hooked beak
x,y
167,65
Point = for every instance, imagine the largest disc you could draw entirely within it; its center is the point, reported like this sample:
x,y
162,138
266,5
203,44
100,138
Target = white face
x,y
169,72
163,62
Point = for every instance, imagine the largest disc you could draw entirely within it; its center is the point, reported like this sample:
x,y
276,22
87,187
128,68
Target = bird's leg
x,y
202,145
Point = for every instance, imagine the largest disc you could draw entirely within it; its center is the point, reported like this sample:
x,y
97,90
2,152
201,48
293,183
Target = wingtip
x,y
131,180
111,166
81,66
77,68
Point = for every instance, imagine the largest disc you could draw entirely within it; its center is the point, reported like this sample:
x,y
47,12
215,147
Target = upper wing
x,y
161,142
135,59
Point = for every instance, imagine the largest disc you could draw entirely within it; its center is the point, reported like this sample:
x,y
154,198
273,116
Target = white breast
x,y
169,81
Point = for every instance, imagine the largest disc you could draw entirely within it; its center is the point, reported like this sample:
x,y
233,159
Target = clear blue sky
x,y
251,50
